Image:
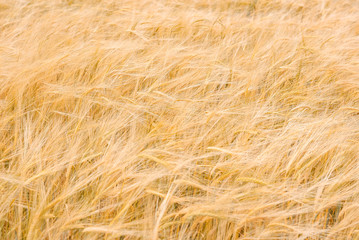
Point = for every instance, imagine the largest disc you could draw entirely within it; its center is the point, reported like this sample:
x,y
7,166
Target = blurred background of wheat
x,y
155,119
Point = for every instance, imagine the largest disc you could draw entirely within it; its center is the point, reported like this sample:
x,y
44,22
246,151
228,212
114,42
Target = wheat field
x,y
179,119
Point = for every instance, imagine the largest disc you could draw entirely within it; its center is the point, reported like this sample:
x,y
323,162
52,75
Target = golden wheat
x,y
161,119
